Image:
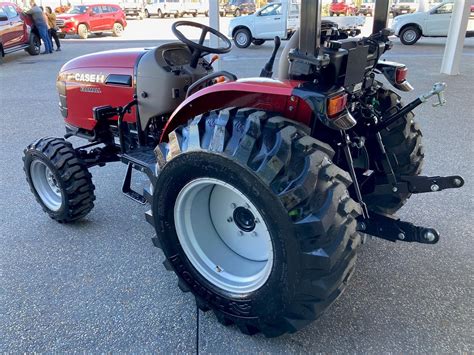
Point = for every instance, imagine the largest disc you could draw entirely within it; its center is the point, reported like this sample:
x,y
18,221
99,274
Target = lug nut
x,y
401,236
429,236
434,187
362,226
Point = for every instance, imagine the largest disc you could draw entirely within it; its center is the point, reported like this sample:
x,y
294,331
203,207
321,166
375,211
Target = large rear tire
x,y
403,144
255,219
59,179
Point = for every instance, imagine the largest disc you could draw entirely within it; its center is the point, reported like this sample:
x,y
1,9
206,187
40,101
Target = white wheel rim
x,y
223,235
409,35
46,185
241,38
118,28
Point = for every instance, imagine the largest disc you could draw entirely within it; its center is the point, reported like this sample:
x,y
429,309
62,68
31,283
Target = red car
x,y
15,31
85,19
341,7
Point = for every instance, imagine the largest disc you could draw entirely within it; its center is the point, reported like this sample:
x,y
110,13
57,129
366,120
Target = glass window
x,y
445,9
78,10
2,12
271,10
11,11
112,9
96,10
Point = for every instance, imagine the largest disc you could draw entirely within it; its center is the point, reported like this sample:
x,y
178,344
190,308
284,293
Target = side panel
x,y
83,93
264,94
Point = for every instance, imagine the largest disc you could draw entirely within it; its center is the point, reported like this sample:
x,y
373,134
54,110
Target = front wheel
x,y
410,35
82,31
118,29
242,38
255,219
59,179
237,13
147,14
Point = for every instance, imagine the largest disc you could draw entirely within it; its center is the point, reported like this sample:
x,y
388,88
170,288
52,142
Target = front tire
x,y
410,35
82,31
147,14
280,276
237,13
59,179
117,30
242,38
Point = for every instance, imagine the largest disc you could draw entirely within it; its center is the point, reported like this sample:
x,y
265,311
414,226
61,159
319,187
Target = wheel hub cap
x,y
241,39
244,219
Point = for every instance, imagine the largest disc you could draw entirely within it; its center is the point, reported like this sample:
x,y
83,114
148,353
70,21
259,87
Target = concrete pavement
x,y
99,285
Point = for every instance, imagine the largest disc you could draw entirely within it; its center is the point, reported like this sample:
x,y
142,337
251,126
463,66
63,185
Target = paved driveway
x,y
99,285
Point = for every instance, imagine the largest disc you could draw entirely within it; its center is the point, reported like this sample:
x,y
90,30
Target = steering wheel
x,y
198,48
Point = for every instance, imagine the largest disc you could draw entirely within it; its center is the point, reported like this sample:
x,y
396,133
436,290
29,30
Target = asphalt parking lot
x,y
99,285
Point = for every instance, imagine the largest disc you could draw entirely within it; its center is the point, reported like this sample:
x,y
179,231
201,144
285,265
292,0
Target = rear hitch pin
x,y
438,90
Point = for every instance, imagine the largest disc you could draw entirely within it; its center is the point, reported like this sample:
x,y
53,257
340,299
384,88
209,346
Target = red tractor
x,y
260,190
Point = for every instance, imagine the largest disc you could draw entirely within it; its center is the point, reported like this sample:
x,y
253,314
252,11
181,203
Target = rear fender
x,y
282,97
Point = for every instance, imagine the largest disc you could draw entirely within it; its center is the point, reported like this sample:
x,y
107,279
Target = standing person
x,y
40,23
53,30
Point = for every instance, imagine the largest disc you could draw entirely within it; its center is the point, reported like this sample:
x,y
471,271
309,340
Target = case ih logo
x,y
90,78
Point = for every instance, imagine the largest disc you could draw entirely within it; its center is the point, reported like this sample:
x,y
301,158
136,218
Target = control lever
x,y
438,90
267,70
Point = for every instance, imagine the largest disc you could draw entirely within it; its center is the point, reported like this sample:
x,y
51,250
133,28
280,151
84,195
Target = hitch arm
x,y
393,229
421,184
438,90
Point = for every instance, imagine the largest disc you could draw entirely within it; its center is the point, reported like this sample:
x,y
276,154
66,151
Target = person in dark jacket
x,y
53,31
40,23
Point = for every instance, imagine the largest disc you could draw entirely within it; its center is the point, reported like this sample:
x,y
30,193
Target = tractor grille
x,y
60,23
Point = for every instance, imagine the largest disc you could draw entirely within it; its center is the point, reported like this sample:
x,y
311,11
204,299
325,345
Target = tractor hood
x,y
121,58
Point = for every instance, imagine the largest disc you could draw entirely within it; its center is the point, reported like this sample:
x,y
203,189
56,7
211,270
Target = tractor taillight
x,y
401,74
336,104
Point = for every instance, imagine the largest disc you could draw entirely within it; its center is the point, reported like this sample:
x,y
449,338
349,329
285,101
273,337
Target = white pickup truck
x,y
278,18
431,23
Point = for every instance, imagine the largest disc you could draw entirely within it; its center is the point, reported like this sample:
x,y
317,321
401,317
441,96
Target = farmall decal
x,y
89,78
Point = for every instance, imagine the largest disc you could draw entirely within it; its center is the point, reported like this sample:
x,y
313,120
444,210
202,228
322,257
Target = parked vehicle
x,y
238,8
162,8
195,8
259,189
400,7
366,8
432,23
275,19
133,8
280,18
15,31
342,7
95,18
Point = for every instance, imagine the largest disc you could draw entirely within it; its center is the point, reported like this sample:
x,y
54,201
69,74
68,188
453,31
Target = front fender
x,y
260,93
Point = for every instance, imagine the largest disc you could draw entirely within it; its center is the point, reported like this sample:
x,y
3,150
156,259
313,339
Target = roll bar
x,y
310,26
